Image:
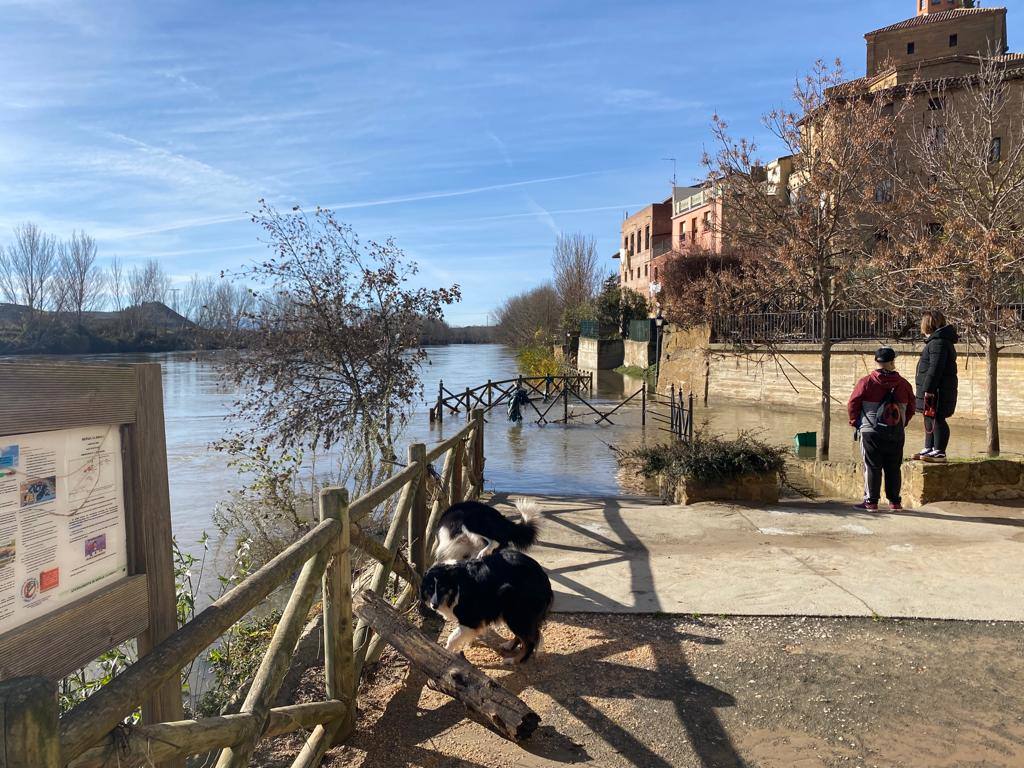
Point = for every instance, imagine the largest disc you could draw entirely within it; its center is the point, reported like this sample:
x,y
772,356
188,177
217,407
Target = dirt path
x,y
783,692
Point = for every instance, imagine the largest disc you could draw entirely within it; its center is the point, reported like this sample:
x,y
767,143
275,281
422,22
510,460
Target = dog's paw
x,y
509,661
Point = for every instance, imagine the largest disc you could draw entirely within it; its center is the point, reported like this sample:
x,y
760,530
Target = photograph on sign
x,y
62,519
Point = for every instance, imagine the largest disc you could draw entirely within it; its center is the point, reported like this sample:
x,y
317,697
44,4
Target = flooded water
x,y
525,457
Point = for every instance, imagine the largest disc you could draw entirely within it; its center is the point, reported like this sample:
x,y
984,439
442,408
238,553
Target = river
x,y
524,458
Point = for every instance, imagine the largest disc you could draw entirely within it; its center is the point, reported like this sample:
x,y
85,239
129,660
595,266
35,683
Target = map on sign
x,y
62,519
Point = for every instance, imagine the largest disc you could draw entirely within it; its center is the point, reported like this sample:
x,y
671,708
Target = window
x,y
995,154
936,135
645,270
910,49
888,110
655,274
647,237
952,41
631,243
707,220
693,229
923,4
935,103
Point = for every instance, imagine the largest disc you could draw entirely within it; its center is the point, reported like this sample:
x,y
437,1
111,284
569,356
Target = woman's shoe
x,y
897,507
866,506
935,457
921,456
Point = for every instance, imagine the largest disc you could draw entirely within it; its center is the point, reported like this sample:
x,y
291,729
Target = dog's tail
x,y
524,534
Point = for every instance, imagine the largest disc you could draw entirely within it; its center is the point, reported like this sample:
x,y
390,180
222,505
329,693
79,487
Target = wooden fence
x,y
92,735
495,393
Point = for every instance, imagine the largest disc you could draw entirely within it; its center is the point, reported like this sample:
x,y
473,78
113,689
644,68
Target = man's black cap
x,y
885,355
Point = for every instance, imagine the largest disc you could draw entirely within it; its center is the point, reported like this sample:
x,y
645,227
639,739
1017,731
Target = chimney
x,y
924,7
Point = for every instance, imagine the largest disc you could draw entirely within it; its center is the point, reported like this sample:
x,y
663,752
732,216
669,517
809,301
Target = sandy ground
x,y
657,691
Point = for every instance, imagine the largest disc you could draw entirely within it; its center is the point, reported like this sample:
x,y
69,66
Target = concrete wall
x,y
790,378
600,354
640,354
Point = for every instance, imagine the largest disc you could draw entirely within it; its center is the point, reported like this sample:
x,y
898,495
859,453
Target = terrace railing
x,y
797,327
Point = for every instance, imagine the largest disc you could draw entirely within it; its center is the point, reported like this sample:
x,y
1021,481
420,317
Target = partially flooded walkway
x,y
798,558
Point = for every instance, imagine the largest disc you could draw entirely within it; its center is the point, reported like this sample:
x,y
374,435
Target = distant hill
x,y
148,327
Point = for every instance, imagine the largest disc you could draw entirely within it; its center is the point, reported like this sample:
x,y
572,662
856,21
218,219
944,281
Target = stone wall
x,y
923,483
790,378
639,354
600,354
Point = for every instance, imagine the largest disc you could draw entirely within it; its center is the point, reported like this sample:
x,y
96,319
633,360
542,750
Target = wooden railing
x,y
495,393
92,735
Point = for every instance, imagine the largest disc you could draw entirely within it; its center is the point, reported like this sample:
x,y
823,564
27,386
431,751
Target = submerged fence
x,y
494,393
92,735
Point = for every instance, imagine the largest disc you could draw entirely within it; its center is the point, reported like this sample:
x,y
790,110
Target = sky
x,y
472,133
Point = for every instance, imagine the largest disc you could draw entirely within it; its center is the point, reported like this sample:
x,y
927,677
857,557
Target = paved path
x,y
635,555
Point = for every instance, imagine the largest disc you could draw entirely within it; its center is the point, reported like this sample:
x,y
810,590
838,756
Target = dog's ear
x,y
479,542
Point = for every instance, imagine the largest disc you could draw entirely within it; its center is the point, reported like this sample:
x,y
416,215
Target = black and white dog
x,y
503,586
472,529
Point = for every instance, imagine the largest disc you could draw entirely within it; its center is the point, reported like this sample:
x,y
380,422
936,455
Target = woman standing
x,y
936,382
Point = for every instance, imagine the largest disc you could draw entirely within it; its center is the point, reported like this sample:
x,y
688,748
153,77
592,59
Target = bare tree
x,y
577,270
80,278
148,283
116,283
27,267
809,243
964,183
529,317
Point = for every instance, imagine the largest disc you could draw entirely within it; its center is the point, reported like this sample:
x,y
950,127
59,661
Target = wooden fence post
x,y
478,451
29,723
440,400
643,404
565,404
468,407
150,545
418,512
490,394
339,660
459,459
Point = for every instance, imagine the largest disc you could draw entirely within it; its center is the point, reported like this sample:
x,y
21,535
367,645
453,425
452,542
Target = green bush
x,y
708,458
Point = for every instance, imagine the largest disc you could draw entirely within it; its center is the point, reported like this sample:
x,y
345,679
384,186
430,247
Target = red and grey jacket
x,y
869,394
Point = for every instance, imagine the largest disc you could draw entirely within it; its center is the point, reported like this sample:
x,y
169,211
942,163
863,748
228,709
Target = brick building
x,y
646,235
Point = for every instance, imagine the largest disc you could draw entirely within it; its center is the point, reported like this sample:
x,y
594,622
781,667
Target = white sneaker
x,y
923,454
935,457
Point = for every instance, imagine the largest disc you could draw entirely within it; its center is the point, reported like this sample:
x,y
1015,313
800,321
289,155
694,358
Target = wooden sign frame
x,y
43,396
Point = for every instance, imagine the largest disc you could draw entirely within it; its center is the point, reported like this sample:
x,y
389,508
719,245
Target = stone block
x,y
762,488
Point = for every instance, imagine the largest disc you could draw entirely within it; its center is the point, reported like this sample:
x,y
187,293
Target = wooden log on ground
x,y
141,746
488,702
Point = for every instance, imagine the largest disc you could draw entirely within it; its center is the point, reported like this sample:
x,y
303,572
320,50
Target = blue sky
x,y
471,132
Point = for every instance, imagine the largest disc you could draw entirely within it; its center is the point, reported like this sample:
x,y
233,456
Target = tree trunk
x,y
992,392
824,438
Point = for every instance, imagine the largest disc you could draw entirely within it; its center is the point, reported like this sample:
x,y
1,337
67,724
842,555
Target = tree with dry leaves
x,y
28,268
80,279
961,202
333,351
805,243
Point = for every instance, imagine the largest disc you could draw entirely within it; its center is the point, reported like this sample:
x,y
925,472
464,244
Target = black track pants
x,y
882,457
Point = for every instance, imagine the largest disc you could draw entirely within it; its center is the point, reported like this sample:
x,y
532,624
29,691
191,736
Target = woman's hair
x,y
931,321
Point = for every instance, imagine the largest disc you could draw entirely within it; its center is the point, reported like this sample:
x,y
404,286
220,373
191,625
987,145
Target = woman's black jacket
x,y
936,370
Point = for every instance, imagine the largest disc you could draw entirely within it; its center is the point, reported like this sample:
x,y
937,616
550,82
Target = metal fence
x,y
640,330
847,325
589,329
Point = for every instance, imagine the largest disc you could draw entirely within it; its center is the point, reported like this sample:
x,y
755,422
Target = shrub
x,y
538,360
708,458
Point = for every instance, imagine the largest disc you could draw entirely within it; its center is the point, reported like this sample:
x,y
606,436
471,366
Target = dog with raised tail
x,y
472,529
504,586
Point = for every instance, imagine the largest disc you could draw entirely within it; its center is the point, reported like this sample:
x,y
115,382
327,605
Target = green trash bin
x,y
805,440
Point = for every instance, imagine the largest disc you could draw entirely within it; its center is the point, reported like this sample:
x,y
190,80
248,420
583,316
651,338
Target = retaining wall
x,y
790,377
600,354
640,354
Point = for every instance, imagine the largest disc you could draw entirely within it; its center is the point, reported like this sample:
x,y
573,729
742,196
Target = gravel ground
x,y
712,691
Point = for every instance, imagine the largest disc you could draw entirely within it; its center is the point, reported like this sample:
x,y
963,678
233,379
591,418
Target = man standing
x,y
880,407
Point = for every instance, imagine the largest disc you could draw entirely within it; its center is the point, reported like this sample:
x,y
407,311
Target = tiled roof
x,y
931,18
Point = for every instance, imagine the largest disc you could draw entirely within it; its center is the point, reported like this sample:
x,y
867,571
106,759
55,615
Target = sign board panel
x,y
62,519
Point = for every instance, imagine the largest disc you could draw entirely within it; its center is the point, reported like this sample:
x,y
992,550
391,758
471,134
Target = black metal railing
x,y
794,327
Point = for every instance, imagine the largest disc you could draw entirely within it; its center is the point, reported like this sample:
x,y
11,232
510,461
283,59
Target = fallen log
x,y
487,702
